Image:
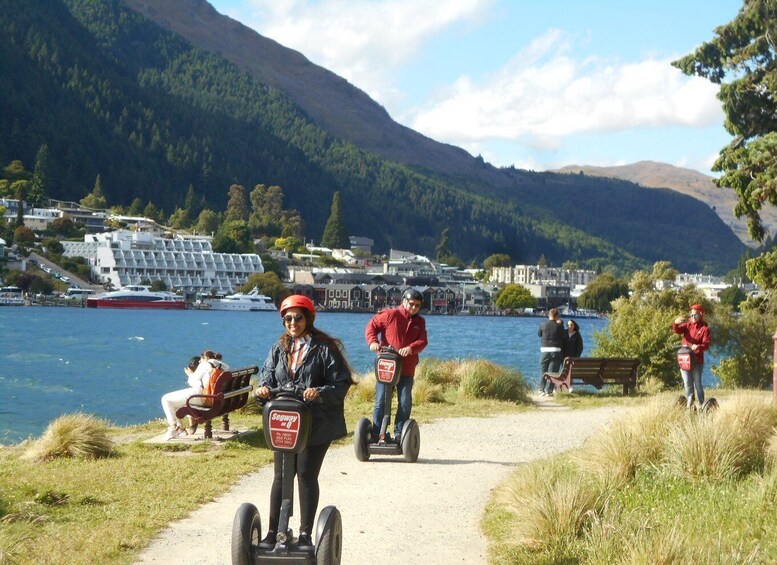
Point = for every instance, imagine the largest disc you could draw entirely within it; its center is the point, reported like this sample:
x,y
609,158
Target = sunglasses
x,y
694,315
296,317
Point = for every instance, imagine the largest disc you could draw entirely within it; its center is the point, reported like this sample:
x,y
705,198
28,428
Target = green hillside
x,y
113,94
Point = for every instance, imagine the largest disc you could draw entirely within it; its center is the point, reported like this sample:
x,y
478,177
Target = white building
x,y
37,219
127,257
536,275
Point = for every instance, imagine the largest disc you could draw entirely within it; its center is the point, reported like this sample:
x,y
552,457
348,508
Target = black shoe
x,y
269,540
304,541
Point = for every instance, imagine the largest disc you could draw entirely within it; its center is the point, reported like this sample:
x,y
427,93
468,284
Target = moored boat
x,y
240,302
136,296
11,296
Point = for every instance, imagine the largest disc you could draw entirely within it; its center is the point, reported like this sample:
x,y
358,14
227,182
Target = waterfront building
x,y
188,263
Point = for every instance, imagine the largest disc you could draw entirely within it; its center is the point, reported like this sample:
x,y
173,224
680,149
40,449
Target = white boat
x,y
250,302
11,296
136,296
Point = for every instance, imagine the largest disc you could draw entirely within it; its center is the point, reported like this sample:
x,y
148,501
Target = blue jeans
x,y
404,405
692,380
550,362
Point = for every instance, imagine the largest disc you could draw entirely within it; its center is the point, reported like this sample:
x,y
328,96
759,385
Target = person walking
x,y
553,340
404,329
697,337
307,357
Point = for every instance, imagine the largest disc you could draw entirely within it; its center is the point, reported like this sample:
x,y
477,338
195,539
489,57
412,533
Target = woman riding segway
x,y
308,360
696,340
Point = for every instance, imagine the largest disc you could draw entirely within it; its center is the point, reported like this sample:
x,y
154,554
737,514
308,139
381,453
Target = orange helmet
x,y
298,301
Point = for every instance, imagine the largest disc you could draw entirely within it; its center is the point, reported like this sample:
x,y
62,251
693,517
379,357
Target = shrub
x,y
483,379
73,435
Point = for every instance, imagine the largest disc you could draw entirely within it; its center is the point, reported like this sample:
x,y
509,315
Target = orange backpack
x,y
218,377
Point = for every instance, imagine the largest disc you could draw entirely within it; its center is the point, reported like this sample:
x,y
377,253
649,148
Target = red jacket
x,y
397,328
694,332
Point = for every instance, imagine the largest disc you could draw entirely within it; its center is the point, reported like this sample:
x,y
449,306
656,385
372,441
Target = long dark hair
x,y
577,326
334,344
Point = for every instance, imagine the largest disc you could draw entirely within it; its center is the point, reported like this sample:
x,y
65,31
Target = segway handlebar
x,y
286,391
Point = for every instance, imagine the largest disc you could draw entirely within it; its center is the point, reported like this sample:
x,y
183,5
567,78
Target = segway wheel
x,y
361,438
246,533
411,441
710,405
329,537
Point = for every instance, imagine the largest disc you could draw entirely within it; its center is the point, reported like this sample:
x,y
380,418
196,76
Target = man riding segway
x,y
405,330
696,338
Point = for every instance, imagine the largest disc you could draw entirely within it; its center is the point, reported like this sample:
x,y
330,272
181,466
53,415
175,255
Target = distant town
x,y
141,251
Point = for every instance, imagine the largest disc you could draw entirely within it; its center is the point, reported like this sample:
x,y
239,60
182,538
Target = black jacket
x,y
320,370
552,334
574,345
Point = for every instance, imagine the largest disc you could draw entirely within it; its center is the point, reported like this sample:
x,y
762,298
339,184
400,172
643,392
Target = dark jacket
x,y
320,370
574,345
552,334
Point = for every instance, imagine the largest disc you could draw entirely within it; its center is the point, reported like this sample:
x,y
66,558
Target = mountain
x,y
686,181
155,97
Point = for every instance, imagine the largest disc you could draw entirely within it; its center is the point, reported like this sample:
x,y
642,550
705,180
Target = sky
x,y
535,84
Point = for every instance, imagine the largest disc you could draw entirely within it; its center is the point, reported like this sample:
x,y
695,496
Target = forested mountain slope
x,y
112,93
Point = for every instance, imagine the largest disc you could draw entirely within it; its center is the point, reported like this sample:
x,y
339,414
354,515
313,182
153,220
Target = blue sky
x,y
534,84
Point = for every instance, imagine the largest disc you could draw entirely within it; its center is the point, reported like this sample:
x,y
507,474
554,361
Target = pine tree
x,y
237,206
335,233
95,199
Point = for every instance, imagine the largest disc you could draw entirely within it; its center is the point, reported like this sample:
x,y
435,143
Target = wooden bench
x,y
597,372
230,392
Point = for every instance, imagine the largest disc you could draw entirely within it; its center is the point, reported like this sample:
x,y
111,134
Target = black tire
x,y
710,405
411,441
329,537
246,533
361,439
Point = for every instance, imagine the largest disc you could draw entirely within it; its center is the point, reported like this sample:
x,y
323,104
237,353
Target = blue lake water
x,y
116,364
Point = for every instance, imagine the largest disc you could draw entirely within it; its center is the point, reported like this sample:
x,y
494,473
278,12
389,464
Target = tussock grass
x,y
549,505
425,392
80,436
671,486
439,372
483,379
364,390
636,441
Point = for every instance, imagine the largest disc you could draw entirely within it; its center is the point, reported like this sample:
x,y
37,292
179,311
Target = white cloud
x,y
543,95
364,42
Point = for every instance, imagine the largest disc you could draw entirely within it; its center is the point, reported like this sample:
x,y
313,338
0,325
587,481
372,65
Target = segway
x,y
287,420
686,360
388,369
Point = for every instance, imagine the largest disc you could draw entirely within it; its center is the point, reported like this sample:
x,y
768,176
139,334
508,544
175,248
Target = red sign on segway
x,y
386,369
284,429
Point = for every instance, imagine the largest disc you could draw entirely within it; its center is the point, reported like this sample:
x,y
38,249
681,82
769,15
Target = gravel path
x,y
431,518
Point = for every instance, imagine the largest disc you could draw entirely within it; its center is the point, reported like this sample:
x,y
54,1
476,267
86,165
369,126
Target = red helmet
x,y
298,301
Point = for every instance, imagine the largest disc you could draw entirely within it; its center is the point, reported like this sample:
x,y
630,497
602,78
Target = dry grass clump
x,y
424,391
617,452
364,390
724,444
77,435
483,379
771,450
549,503
438,372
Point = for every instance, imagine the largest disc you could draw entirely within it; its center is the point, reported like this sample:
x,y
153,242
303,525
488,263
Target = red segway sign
x,y
386,370
284,429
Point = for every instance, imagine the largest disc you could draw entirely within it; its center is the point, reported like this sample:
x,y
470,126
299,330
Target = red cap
x,y
697,307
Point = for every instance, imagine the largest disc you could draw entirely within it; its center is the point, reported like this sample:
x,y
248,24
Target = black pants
x,y
307,467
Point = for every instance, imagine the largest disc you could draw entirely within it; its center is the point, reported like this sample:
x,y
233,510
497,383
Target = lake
x,y
117,364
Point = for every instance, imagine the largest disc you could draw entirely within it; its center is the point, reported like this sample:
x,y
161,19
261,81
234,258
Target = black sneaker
x,y
304,541
269,540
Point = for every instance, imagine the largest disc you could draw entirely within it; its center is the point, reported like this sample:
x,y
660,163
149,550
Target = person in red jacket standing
x,y
405,330
696,336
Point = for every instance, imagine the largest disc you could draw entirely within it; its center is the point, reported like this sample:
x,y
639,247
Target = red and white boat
x,y
136,296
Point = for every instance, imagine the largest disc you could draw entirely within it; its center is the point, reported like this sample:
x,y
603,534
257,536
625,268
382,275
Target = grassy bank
x,y
56,509
660,486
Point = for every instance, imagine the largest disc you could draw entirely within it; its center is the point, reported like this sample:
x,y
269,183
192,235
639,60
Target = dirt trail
x,y
424,513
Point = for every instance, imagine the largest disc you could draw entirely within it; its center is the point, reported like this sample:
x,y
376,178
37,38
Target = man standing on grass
x,y
553,340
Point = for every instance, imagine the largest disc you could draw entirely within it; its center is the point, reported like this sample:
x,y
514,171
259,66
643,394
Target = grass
x,y
671,487
88,509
